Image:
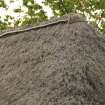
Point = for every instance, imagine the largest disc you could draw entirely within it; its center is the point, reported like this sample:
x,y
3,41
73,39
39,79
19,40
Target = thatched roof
x,y
57,64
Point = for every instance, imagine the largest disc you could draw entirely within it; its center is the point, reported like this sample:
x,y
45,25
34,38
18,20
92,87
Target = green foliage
x,y
17,10
6,22
94,10
2,4
35,12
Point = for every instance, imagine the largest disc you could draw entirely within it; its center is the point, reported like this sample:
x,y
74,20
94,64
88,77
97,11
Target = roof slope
x,y
57,64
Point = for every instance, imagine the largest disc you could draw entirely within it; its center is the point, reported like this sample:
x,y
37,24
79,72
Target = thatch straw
x,y
61,64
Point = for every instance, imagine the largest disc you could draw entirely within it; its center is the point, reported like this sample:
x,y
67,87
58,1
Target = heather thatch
x,y
62,64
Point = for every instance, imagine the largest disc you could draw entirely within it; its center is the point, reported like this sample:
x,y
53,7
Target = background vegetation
x,y
94,10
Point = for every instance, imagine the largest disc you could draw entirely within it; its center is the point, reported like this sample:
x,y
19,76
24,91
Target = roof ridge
x,y
71,18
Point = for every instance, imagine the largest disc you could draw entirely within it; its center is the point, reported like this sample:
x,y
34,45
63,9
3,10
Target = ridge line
x,y
10,33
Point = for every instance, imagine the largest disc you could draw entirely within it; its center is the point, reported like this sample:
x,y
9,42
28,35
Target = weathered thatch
x,y
58,64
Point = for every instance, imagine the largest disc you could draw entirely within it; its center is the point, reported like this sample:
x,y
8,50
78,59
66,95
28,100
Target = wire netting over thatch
x,y
61,64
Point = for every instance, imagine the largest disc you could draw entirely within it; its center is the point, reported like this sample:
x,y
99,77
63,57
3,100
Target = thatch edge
x,y
69,18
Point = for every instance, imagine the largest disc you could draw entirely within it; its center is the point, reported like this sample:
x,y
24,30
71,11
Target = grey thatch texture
x,y
62,64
